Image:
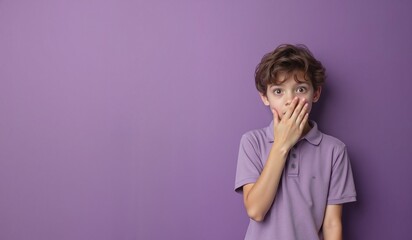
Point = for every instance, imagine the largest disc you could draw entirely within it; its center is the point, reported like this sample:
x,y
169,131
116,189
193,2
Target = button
x,y
293,165
294,155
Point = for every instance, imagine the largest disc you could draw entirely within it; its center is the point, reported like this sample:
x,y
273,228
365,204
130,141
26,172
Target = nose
x,y
289,97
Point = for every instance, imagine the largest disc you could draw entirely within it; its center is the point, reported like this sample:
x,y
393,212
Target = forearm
x,y
333,232
332,222
261,195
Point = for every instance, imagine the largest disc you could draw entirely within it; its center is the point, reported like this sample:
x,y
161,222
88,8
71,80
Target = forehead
x,y
297,76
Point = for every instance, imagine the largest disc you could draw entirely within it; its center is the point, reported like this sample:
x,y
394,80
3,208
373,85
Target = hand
x,y
288,130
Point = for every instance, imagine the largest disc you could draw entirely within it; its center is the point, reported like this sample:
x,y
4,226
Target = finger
x,y
304,121
302,113
298,109
291,108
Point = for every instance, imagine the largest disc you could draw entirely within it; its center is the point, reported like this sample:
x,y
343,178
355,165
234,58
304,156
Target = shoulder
x,y
256,136
336,148
255,140
332,141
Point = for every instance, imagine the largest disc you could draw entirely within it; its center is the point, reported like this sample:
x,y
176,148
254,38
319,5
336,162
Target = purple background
x,y
122,119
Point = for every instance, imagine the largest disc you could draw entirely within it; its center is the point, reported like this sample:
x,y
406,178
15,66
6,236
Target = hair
x,y
287,58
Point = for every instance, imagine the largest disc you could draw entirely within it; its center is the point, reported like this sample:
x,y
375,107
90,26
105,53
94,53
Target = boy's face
x,y
279,96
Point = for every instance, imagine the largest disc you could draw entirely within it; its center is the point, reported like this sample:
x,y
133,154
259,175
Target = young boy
x,y
294,178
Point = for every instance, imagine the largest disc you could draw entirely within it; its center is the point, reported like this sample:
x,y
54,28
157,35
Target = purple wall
x,y
122,119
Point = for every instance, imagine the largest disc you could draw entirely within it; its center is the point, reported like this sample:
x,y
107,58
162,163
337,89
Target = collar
x,y
314,136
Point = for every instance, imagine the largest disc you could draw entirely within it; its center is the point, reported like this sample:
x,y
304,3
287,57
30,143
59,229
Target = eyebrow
x,y
280,84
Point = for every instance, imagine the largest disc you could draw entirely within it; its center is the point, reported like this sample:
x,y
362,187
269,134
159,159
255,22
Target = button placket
x,y
293,164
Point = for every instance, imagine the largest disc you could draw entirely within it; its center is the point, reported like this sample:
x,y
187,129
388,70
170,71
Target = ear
x,y
264,98
316,94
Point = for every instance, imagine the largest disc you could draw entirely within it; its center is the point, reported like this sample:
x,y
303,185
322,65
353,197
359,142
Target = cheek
x,y
280,111
307,98
310,107
274,106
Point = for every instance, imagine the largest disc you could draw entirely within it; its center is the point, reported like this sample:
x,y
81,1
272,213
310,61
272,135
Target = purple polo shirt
x,y
317,173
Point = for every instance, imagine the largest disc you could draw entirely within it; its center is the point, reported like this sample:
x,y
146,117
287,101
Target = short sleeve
x,y
342,187
249,164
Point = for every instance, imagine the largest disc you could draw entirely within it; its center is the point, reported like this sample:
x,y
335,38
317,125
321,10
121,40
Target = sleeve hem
x,y
241,183
342,200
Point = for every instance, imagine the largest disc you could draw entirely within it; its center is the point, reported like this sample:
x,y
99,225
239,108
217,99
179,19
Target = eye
x,y
277,91
301,89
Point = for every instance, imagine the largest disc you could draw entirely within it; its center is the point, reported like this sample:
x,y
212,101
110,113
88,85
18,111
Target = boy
x,y
294,178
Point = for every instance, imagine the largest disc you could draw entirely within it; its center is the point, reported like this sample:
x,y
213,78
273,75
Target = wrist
x,y
280,149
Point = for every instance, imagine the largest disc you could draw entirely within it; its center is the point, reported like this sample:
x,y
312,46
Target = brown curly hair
x,y
287,58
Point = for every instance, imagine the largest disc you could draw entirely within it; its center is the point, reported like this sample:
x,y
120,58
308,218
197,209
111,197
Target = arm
x,y
259,196
332,223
